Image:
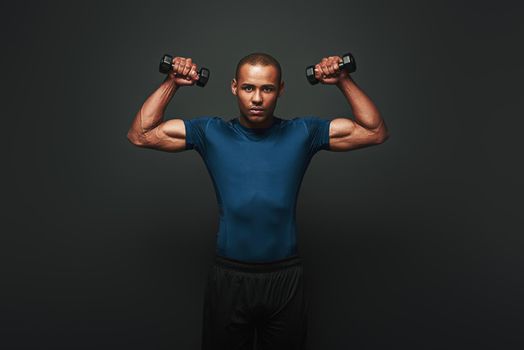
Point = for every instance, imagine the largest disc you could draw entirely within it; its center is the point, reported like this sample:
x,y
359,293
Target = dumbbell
x,y
348,63
166,65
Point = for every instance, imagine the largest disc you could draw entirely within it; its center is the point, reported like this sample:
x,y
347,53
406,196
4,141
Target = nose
x,y
257,97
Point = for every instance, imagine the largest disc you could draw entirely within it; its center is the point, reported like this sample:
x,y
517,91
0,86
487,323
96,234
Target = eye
x,y
268,89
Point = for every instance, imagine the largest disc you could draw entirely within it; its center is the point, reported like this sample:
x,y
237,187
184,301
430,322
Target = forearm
x,y
365,111
151,112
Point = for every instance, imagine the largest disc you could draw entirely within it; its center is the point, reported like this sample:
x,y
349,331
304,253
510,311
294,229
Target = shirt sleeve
x,y
196,133
318,133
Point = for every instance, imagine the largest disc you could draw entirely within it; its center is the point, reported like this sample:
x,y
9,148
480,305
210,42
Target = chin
x,y
256,118
259,119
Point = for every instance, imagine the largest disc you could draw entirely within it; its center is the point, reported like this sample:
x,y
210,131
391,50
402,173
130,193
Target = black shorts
x,y
247,301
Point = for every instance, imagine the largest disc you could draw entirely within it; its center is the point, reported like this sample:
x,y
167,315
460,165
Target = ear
x,y
234,86
281,89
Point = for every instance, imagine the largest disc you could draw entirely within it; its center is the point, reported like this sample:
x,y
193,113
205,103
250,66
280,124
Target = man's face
x,y
257,88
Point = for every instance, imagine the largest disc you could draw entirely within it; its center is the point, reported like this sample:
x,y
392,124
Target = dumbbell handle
x,y
348,62
166,65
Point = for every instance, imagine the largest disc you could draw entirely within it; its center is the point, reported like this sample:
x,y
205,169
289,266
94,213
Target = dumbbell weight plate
x,y
203,76
165,64
349,61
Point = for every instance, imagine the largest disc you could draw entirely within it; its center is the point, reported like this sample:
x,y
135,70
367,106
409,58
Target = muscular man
x,y
256,162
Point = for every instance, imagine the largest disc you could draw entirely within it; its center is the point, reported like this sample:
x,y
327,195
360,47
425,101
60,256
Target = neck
x,y
249,124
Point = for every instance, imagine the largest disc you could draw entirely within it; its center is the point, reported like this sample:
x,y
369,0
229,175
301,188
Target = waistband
x,y
265,266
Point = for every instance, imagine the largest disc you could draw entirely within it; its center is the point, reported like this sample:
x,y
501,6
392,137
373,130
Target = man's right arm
x,y
148,129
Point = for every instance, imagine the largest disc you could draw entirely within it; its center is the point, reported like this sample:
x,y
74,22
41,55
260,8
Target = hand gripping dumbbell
x,y
166,65
348,63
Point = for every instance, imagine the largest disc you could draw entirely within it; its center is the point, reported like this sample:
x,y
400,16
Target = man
x,y
256,161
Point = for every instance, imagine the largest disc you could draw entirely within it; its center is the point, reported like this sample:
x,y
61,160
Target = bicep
x,y
169,136
346,134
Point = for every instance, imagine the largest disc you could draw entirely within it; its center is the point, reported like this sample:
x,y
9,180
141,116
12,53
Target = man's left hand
x,y
328,72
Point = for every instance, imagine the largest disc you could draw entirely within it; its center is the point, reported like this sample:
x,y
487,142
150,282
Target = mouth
x,y
256,110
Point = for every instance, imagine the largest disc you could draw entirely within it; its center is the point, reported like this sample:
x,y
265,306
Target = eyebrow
x,y
265,85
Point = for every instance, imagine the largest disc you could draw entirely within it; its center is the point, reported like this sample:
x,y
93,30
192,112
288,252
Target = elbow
x,y
379,136
134,138
382,137
382,134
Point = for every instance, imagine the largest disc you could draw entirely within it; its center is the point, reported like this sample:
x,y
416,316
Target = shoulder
x,y
203,122
312,123
310,119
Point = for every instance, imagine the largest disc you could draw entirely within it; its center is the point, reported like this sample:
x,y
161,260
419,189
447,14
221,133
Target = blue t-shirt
x,y
256,175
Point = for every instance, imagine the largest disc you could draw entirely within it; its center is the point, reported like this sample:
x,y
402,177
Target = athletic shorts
x,y
251,302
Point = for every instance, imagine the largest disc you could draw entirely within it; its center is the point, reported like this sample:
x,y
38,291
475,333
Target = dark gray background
x,y
415,243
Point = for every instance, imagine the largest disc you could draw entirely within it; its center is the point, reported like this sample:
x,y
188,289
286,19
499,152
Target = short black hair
x,y
259,58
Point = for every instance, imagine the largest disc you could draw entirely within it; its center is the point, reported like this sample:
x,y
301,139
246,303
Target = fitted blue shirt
x,y
256,174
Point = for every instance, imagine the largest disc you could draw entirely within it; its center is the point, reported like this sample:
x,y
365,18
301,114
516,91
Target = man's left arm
x,y
368,128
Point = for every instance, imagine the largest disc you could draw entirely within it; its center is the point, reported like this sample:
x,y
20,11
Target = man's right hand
x,y
184,71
